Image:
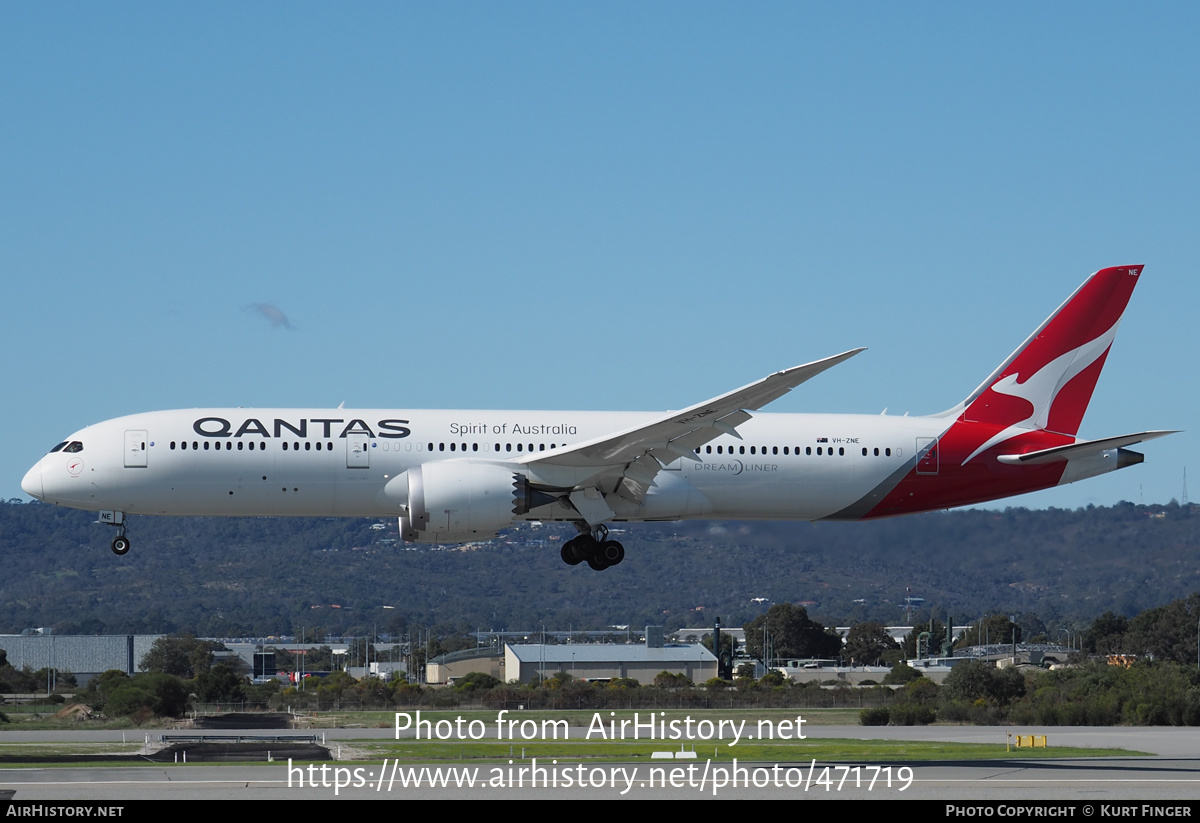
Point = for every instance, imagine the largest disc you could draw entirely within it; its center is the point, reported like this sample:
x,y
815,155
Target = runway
x,y
1172,773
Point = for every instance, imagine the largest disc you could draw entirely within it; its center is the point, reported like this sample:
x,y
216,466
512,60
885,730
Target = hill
x,y
228,577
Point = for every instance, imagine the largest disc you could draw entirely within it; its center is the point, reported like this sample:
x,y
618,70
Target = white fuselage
x,y
313,462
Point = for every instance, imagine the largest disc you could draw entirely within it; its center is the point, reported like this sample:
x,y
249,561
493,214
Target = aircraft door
x,y
927,455
357,454
135,449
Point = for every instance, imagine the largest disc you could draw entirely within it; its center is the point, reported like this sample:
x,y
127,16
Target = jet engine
x,y
457,501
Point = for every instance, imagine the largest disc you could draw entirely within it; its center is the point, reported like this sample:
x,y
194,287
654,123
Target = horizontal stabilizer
x,y
1080,449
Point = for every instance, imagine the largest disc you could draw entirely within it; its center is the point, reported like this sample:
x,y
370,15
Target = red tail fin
x,y
1047,382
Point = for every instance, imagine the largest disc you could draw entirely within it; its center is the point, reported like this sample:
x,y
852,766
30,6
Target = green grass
x,y
825,750
493,751
68,749
380,720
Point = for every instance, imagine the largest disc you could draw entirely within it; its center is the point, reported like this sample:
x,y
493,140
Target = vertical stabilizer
x,y
1047,382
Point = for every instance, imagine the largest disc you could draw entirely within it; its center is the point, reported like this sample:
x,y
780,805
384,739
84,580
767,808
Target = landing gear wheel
x,y
592,544
574,551
611,552
120,544
606,554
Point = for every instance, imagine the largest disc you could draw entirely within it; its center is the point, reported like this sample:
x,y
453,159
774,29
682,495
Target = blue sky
x,y
589,206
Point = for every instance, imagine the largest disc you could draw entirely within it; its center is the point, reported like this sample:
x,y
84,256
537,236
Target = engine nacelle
x,y
457,501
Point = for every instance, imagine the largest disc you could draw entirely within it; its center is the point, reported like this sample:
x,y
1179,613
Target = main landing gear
x,y
593,546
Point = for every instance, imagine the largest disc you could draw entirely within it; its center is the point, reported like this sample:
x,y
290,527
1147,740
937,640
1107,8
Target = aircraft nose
x,y
32,482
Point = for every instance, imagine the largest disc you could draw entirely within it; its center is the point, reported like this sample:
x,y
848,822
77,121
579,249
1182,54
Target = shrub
x,y
874,717
911,714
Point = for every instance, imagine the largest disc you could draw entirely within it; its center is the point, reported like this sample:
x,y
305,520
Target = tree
x,y
773,678
914,704
791,634
143,695
181,655
901,674
666,680
727,642
1166,633
1106,634
473,681
726,655
221,684
995,629
968,682
931,646
865,642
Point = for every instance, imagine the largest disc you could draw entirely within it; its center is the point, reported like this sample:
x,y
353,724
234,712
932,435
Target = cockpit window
x,y
74,446
58,448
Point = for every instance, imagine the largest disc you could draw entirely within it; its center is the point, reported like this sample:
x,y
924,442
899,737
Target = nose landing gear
x,y
593,546
120,544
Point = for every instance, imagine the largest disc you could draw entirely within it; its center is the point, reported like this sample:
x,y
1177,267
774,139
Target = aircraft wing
x,y
628,460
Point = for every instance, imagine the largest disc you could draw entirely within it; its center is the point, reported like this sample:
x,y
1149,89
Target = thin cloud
x,y
274,314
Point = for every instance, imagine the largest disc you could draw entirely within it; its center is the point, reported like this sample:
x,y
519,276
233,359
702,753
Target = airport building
x,y
82,655
526,662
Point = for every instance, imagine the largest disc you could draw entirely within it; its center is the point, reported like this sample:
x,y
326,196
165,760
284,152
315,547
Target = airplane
x,y
463,476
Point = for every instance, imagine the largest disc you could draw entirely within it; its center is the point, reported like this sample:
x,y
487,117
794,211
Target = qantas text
x,y
326,426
